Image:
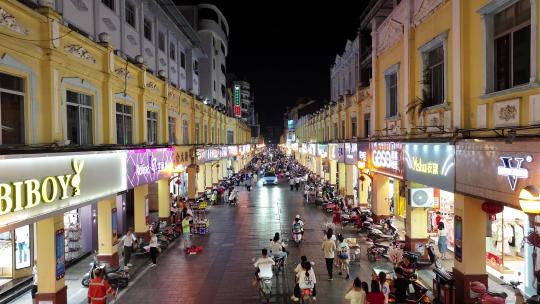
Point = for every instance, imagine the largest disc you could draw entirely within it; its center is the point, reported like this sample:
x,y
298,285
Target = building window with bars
x,y
353,126
124,124
79,118
185,132
130,14
391,82
148,29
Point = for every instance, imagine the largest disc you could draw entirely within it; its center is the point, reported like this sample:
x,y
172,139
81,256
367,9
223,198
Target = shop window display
x,y
72,235
6,258
505,246
22,247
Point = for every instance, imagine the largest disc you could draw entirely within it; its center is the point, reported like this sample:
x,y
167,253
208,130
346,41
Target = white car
x,y
270,178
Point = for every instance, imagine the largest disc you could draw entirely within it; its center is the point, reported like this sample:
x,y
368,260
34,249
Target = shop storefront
x,y
36,187
178,185
386,162
499,174
430,171
144,169
322,154
351,173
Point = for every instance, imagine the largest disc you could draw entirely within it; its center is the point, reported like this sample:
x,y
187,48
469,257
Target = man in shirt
x,y
129,240
400,286
265,259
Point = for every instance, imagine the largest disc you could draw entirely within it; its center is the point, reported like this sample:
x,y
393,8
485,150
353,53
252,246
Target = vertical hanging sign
x,y
237,112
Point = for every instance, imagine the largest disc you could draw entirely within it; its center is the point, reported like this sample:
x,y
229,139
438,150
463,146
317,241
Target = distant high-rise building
x,y
213,31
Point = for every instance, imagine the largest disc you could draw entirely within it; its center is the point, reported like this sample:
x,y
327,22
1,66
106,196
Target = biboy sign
x,y
41,184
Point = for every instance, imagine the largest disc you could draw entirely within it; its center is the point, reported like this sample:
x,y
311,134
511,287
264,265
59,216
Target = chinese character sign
x,y
148,165
387,158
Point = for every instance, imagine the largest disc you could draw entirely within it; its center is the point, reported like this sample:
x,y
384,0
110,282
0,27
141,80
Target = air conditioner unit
x,y
422,197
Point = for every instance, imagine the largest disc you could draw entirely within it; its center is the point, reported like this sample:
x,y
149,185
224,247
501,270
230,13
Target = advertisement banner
x,y
40,184
431,164
304,149
114,224
387,158
458,237
59,241
22,247
148,165
233,150
496,170
351,154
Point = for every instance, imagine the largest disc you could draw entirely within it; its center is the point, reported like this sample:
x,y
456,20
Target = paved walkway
x,y
224,271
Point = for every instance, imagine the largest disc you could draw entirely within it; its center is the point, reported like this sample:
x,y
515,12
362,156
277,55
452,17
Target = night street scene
x,y
239,152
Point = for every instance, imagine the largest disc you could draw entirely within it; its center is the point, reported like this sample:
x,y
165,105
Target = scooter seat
x,y
500,294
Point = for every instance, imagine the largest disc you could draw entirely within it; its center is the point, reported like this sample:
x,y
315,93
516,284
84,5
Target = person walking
x,y
291,182
384,287
153,248
329,249
356,295
442,241
186,231
99,289
129,241
343,257
297,182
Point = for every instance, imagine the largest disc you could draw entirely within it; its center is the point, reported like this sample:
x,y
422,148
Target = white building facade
x,y
213,31
344,73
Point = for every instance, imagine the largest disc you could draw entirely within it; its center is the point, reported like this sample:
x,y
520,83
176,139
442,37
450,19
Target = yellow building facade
x,y
129,121
455,75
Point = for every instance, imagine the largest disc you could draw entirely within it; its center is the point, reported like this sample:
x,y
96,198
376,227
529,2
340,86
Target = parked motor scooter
x,y
481,295
416,257
116,277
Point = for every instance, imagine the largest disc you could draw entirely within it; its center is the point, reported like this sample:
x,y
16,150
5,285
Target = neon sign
x,y
386,157
512,169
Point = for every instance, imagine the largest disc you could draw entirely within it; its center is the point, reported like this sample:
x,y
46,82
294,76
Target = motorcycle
x,y
265,281
297,238
116,277
279,263
422,263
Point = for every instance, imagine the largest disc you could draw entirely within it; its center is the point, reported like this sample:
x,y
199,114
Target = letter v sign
x,y
513,172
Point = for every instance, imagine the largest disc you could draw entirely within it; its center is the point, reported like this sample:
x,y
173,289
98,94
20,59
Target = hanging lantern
x,y
492,208
177,181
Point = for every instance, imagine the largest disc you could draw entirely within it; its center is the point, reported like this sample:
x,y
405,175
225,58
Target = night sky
x,y
285,48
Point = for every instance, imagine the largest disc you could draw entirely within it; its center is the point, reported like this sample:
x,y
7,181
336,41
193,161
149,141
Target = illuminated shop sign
x,y
237,111
148,165
351,154
233,150
322,150
363,152
387,158
511,168
430,164
304,149
312,149
42,184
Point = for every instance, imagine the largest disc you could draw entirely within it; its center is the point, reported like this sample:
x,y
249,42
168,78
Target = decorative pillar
x,y
51,289
341,178
472,264
333,172
139,213
201,179
380,207
164,203
215,174
107,238
207,176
